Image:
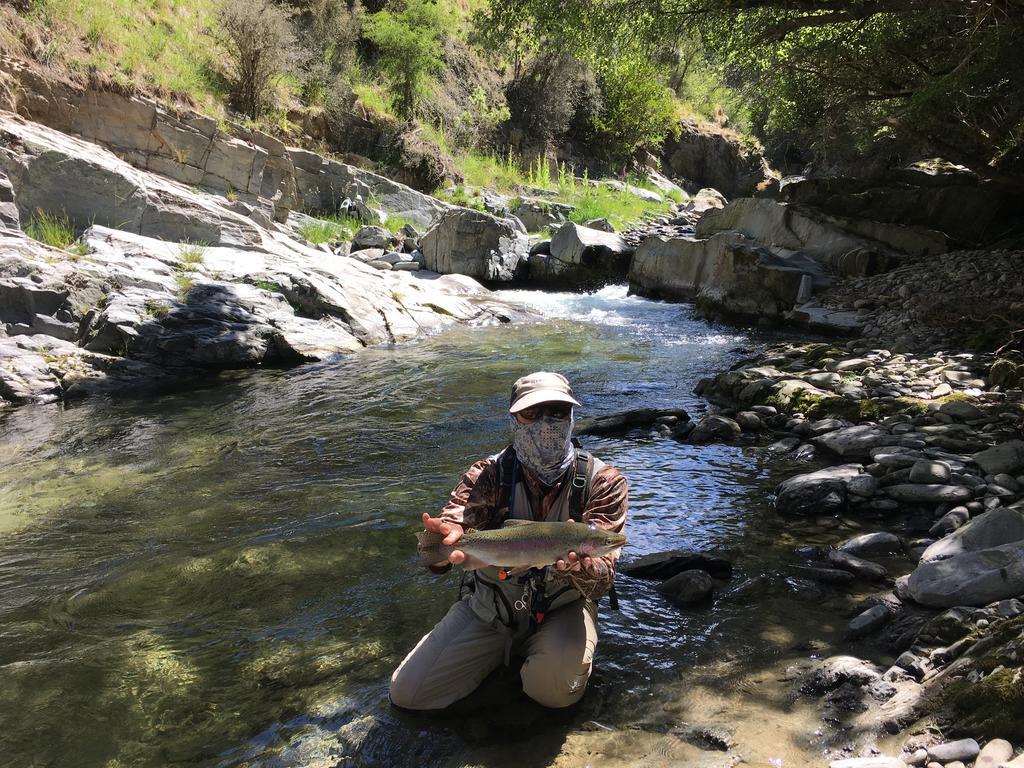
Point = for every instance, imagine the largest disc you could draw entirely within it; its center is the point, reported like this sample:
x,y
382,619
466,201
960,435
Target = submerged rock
x,y
688,588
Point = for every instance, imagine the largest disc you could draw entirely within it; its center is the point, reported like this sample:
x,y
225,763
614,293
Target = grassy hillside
x,y
485,108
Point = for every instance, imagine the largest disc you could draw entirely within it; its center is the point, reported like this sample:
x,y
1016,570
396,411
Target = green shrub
x,y
191,252
52,229
261,44
409,42
639,111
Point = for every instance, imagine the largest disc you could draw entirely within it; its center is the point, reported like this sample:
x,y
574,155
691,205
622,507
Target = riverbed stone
x,y
873,544
858,566
972,578
475,244
863,485
714,428
961,410
821,492
990,529
925,493
872,619
964,749
949,522
995,752
785,445
1007,457
855,442
664,565
688,588
924,471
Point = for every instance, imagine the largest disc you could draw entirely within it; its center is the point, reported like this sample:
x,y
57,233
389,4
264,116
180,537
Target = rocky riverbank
x,y
925,453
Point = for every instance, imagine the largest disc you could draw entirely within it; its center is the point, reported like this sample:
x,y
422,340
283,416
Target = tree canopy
x,y
842,76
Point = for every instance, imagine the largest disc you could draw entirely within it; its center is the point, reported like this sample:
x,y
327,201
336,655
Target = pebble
x,y
995,752
868,621
964,749
918,757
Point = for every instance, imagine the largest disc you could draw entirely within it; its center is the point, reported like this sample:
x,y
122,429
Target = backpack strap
x,y
508,475
579,493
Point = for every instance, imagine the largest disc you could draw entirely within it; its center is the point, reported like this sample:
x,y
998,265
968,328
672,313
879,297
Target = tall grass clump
x,y
330,228
52,229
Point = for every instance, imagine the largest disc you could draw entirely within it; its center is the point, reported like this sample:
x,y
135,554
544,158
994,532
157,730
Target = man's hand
x,y
593,567
452,532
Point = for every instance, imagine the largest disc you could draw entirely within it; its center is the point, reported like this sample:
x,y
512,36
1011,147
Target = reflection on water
x,y
225,576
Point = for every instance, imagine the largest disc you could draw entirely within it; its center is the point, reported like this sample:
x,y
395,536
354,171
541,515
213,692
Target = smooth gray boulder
x,y
930,472
687,588
858,566
714,428
872,619
972,578
582,258
1002,525
873,544
855,442
822,492
922,493
726,271
475,244
964,750
1007,457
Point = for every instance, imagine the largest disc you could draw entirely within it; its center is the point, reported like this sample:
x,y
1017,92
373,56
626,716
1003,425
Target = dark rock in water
x,y
619,423
865,569
707,737
821,492
715,428
688,587
869,621
664,565
825,575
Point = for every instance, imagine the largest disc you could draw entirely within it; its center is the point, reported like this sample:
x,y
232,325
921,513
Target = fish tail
x,y
429,549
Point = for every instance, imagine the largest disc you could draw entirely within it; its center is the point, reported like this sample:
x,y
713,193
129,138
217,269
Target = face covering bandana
x,y
544,446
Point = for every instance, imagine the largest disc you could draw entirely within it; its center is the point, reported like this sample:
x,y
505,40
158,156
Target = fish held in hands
x,y
519,544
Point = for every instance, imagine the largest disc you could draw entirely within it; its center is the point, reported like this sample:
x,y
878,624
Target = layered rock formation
x,y
167,280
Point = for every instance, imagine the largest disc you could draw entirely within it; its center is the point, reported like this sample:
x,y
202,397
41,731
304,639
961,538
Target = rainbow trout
x,y
520,544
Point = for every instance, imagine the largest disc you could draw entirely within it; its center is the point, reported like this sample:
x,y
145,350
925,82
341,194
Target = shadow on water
x,y
224,576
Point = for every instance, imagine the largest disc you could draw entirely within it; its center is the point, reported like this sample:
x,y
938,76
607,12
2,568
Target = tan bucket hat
x,y
540,387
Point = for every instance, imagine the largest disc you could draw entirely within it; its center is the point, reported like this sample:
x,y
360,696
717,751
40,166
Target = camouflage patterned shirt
x,y
475,503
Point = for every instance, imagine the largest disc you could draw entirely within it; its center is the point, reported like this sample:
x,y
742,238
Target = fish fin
x,y
472,563
429,549
513,523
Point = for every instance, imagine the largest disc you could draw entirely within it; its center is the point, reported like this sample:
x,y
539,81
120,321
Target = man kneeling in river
x,y
549,615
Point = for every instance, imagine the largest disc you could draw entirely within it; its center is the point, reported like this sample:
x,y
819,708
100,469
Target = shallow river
x,y
224,576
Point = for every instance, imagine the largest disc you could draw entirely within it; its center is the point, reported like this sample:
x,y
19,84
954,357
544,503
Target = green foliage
x,y
395,223
408,42
269,285
622,209
52,229
942,77
539,173
184,286
329,40
329,228
192,253
639,111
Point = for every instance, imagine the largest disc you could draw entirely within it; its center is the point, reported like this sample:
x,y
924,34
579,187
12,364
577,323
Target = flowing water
x,y
224,576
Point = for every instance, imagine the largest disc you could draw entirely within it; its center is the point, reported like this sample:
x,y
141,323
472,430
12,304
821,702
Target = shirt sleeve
x,y
606,508
473,502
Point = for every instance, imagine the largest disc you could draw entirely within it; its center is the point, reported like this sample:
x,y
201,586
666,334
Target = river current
x,y
224,576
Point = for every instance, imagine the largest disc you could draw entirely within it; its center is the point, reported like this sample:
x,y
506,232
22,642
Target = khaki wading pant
x,y
461,650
